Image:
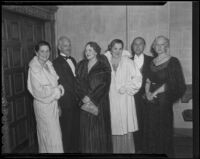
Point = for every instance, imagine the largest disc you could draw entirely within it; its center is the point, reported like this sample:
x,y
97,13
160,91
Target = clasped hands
x,y
127,89
150,96
89,106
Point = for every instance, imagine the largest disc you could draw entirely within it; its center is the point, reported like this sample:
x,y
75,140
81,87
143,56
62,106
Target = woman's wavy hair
x,y
95,46
152,48
113,42
41,43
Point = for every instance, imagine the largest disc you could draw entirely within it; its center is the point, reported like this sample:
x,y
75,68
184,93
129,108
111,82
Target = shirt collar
x,y
63,54
139,57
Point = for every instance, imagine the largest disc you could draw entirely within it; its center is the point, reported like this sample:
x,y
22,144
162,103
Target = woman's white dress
x,y
125,82
43,85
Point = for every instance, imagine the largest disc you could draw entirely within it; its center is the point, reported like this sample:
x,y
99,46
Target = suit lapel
x,y
142,67
66,66
144,64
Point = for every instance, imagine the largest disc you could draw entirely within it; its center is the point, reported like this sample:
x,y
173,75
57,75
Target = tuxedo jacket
x,y
67,80
144,70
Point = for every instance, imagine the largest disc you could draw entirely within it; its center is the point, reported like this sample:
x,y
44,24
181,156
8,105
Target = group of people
x,y
112,102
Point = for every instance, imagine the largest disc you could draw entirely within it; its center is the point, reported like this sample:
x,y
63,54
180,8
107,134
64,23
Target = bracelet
x,y
61,91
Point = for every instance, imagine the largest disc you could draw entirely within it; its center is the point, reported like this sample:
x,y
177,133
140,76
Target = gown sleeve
x,y
130,78
135,82
175,85
43,93
81,84
100,85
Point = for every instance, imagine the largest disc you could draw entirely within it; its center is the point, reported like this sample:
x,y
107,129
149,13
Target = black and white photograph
x,y
100,79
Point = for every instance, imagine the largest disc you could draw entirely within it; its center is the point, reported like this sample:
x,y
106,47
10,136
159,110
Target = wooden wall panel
x,y
20,107
8,85
22,27
19,83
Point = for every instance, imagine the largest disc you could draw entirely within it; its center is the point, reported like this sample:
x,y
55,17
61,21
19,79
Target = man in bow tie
x,y
142,61
65,66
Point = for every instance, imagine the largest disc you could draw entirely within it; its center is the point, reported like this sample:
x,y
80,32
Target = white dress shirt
x,y
139,60
69,61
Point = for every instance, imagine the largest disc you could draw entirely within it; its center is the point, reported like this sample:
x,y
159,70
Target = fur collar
x,y
36,66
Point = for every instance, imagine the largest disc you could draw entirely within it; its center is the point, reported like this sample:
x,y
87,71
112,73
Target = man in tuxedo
x,y
65,66
143,63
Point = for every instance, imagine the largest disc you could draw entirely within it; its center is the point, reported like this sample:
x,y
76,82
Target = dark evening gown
x,y
158,114
95,131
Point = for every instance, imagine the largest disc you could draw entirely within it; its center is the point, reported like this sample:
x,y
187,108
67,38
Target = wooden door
x,y
19,34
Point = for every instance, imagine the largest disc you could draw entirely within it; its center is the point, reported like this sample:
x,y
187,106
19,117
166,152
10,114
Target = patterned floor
x,y
183,147
182,139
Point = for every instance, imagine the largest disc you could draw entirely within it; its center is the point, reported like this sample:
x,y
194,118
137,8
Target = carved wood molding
x,y
42,12
4,110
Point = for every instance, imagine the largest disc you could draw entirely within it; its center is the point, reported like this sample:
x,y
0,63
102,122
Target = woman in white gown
x,y
43,85
126,80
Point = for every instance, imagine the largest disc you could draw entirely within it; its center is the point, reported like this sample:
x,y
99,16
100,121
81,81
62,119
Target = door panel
x,y
3,30
20,33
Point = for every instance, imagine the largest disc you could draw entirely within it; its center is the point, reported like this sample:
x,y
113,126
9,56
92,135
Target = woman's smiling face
x,y
161,45
43,53
116,50
90,53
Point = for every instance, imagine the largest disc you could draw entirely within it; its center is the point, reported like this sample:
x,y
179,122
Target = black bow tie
x,y
67,57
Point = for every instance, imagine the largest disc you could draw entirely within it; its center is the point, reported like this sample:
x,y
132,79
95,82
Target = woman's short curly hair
x,y
95,46
152,49
42,43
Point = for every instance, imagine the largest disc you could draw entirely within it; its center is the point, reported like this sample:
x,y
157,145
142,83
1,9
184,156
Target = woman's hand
x,y
154,94
91,108
149,96
62,90
86,99
130,91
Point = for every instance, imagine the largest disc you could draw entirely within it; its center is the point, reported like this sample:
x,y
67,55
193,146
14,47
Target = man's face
x,y
138,46
65,47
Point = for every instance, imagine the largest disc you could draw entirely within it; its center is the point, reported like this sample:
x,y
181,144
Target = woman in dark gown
x,y
164,86
93,83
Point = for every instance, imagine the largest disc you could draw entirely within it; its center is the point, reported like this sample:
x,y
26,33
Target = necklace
x,y
158,61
